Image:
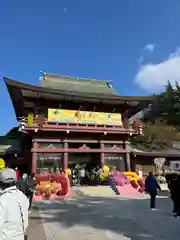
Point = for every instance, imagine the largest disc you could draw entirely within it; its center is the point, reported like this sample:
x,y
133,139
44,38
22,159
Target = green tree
x,y
161,122
157,135
166,106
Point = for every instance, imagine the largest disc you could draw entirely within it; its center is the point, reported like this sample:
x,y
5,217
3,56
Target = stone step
x,y
127,190
164,187
99,191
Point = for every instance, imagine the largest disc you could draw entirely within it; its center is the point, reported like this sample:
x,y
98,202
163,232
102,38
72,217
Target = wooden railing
x,y
39,121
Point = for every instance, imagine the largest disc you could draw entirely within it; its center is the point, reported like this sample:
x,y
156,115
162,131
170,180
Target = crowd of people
x,y
17,189
85,176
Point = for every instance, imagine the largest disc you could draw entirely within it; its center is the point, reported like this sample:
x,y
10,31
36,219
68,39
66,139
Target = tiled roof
x,y
173,151
74,84
95,93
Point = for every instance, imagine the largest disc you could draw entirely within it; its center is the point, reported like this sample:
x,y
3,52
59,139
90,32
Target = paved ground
x,y
35,229
104,218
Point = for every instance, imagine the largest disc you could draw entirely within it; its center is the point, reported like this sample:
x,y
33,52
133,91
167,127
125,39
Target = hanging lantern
x,y
140,129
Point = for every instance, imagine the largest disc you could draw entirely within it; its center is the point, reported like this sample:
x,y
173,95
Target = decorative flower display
x,y
2,164
105,171
132,176
141,183
119,178
134,184
141,190
68,171
49,185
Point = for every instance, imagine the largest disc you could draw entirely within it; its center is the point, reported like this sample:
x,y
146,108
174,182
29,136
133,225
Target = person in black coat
x,y
22,183
174,187
31,186
152,187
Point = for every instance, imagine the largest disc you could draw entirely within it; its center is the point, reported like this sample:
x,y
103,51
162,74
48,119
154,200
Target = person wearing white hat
x,y
13,208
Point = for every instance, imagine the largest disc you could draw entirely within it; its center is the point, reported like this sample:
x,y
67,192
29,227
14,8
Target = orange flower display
x,y
49,185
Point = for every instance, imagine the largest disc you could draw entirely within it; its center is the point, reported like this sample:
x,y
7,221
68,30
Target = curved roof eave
x,y
13,83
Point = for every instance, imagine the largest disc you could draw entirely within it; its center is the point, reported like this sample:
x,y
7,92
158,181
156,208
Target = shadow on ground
x,y
116,217
35,228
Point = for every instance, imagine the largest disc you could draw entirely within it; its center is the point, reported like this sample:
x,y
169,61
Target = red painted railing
x,y
41,122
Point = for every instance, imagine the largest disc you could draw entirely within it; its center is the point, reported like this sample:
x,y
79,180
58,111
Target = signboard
x,y
115,160
175,165
84,117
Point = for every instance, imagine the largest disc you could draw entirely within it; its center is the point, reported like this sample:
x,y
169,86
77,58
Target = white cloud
x,y
154,77
140,59
150,47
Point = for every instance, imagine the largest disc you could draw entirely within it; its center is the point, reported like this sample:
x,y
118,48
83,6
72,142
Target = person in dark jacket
x,y
31,187
152,187
22,184
174,187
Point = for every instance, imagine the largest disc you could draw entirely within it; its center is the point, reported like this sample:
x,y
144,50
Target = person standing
x,y
152,187
13,208
174,187
99,172
17,173
22,184
31,186
82,175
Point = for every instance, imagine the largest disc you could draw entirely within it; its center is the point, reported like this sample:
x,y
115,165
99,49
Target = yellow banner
x,y
84,117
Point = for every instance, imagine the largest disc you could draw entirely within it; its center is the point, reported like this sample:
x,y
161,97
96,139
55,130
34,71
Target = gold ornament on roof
x,y
30,119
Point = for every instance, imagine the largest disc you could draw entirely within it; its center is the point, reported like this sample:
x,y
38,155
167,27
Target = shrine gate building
x,y
75,121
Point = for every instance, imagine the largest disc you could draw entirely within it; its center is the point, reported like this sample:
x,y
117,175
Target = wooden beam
x,y
78,150
42,140
82,127
65,128
29,105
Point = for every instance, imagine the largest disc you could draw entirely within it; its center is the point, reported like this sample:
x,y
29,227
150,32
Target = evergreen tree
x,y
166,106
177,106
162,121
156,135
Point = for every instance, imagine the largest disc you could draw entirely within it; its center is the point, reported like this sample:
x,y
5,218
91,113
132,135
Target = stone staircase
x,y
95,191
127,190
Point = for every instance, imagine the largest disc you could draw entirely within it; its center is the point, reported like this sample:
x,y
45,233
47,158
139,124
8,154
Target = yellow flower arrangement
x,y
105,171
2,164
132,176
68,171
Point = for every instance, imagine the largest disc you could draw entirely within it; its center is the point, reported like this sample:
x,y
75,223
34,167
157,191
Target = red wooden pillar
x,y
34,157
127,156
102,154
65,159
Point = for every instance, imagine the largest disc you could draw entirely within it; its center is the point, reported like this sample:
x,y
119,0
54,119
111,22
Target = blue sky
x,y
133,43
